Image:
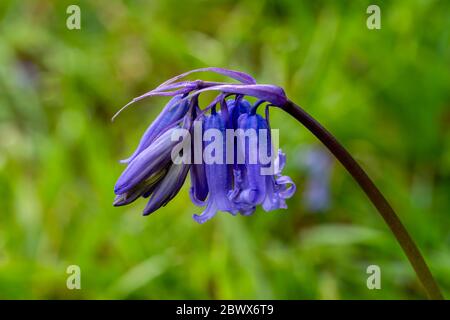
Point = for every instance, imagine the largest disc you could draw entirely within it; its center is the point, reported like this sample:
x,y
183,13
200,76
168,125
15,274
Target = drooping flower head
x,y
231,179
237,186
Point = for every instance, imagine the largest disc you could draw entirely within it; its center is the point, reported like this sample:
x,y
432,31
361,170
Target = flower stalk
x,y
373,193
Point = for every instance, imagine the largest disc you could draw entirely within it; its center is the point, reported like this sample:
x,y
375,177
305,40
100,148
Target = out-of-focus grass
x,y
384,93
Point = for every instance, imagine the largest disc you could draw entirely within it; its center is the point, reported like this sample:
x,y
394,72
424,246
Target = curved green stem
x,y
379,201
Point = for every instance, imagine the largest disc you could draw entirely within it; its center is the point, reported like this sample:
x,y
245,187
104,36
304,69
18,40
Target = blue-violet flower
x,y
232,179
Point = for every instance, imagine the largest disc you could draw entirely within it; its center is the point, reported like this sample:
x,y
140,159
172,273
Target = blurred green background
x,y
384,93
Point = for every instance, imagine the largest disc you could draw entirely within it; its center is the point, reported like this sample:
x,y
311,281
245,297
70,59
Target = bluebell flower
x,y
217,185
218,175
253,188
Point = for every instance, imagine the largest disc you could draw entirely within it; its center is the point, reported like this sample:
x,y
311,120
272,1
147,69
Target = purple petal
x,y
236,108
278,187
151,94
141,189
199,185
272,201
240,184
173,111
256,188
237,75
150,160
210,211
286,191
280,162
199,189
246,210
266,92
218,177
168,188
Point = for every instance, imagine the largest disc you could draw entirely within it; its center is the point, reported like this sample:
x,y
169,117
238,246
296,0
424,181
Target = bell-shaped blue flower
x,y
218,173
253,187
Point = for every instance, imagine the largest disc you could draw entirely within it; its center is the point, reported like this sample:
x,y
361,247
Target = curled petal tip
x,y
201,219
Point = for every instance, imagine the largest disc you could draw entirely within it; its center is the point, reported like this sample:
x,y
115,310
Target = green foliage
x,y
384,93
